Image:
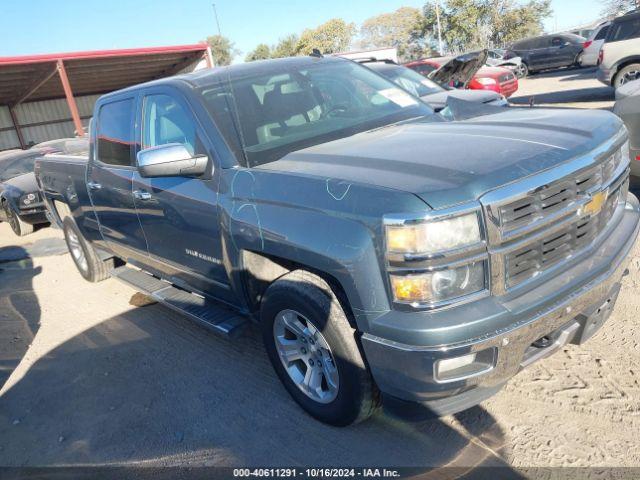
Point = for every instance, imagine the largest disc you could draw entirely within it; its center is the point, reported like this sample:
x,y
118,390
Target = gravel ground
x,y
89,378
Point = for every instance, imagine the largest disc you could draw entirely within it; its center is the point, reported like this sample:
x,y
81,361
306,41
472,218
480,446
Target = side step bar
x,y
210,314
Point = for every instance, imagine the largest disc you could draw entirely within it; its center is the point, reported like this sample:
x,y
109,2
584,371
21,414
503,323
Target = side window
x,y
115,135
626,30
557,41
167,121
602,33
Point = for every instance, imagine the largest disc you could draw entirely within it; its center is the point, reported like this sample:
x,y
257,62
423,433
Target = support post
x,y
208,55
14,119
71,102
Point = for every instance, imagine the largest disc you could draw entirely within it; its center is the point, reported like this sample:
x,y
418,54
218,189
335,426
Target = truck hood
x,y
438,100
447,163
22,184
460,70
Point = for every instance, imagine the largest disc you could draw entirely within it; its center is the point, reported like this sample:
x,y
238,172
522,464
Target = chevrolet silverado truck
x,y
387,253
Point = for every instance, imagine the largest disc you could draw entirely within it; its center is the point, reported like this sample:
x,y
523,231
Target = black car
x,y
548,51
21,204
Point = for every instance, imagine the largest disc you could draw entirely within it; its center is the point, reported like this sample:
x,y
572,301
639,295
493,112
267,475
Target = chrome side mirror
x,y
170,160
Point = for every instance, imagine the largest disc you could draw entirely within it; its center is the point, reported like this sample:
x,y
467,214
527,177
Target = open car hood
x,y
459,71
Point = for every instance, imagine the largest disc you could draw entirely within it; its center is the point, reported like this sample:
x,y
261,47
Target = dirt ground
x,y
89,378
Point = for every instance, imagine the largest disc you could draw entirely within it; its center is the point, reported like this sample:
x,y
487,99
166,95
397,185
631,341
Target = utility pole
x,y
440,51
215,14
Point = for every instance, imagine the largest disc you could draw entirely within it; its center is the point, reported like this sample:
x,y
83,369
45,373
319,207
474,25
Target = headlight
x,y
486,81
434,236
439,286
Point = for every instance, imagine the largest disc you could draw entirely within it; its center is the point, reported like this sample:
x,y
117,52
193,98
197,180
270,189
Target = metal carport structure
x,y
44,81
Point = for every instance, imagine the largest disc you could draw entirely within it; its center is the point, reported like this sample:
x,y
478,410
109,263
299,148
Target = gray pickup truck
x,y
382,248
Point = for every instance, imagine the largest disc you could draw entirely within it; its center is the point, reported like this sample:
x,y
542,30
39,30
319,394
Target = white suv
x,y
619,57
589,56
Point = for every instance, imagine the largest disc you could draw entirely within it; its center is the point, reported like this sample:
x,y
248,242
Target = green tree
x,y
261,52
398,29
472,24
617,7
286,47
332,36
222,50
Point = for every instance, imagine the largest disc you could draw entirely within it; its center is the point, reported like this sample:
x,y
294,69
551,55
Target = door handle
x,y
94,186
141,195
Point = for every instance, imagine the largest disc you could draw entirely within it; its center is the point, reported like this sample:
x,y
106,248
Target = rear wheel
x,y
19,226
87,261
627,74
314,352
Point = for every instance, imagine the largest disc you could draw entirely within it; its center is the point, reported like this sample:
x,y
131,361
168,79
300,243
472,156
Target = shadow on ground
x,y
149,386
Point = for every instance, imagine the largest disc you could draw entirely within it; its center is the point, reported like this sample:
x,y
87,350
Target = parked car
x,y
548,51
498,79
429,91
627,107
380,247
591,47
20,199
496,59
619,57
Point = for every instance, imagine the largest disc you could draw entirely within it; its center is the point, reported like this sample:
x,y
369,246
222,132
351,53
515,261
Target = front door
x,y
179,215
109,177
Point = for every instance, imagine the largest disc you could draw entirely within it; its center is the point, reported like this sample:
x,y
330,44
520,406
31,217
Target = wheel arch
x,y
620,64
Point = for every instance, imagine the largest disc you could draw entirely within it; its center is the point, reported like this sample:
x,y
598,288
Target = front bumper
x,y
567,309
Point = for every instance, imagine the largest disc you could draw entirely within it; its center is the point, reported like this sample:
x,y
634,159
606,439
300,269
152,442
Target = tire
x,y
90,266
522,70
308,299
19,226
578,61
627,74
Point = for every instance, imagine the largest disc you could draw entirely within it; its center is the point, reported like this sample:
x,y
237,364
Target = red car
x,y
467,71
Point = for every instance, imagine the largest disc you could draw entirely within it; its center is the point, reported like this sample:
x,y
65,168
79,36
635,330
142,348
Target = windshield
x,y
285,107
411,81
10,168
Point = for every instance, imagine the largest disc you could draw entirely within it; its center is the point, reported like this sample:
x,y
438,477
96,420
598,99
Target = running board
x,y
209,314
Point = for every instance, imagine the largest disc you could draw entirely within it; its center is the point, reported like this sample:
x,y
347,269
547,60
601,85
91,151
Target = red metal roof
x,y
34,77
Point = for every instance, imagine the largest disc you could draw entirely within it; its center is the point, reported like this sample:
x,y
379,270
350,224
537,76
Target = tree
x,y
400,29
222,50
261,52
332,36
616,7
473,24
286,47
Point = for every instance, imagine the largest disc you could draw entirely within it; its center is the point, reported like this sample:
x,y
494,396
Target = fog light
x,y
465,366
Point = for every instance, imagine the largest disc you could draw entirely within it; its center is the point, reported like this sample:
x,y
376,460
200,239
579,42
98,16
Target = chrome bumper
x,y
408,372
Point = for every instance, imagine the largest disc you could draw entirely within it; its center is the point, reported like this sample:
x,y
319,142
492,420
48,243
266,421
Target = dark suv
x,y
548,51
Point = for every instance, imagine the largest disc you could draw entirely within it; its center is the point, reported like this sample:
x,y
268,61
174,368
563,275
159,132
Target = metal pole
x,y
215,14
71,102
14,119
440,51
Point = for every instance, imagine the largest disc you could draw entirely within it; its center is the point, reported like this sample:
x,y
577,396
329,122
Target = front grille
x,y
538,256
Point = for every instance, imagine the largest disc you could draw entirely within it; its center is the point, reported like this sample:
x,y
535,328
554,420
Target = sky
x,y
51,26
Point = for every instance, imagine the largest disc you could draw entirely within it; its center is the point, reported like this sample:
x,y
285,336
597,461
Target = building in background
x,y
44,97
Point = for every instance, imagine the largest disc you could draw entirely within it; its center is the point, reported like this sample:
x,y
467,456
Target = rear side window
x,y
625,30
115,133
557,41
602,33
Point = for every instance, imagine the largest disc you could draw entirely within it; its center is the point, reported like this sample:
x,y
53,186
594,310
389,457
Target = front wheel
x,y
19,226
87,261
314,352
522,70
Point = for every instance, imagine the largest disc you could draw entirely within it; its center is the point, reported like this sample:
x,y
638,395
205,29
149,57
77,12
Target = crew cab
x,y
380,247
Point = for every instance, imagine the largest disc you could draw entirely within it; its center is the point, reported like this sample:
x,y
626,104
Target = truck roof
x,y
208,76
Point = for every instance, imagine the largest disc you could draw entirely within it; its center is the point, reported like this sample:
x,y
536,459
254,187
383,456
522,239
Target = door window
x,y
602,33
115,133
625,30
557,41
165,121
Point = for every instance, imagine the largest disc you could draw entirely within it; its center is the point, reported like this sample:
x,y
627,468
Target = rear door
x,y
109,176
179,215
539,53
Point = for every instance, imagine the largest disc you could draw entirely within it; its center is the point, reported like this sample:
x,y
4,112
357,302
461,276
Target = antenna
x,y
215,14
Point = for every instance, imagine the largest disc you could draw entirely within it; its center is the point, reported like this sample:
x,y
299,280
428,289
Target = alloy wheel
x,y
76,251
630,76
306,356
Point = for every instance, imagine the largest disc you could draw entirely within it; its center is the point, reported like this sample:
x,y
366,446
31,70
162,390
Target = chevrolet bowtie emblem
x,y
594,205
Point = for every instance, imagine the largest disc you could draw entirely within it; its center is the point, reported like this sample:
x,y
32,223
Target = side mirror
x,y
170,160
